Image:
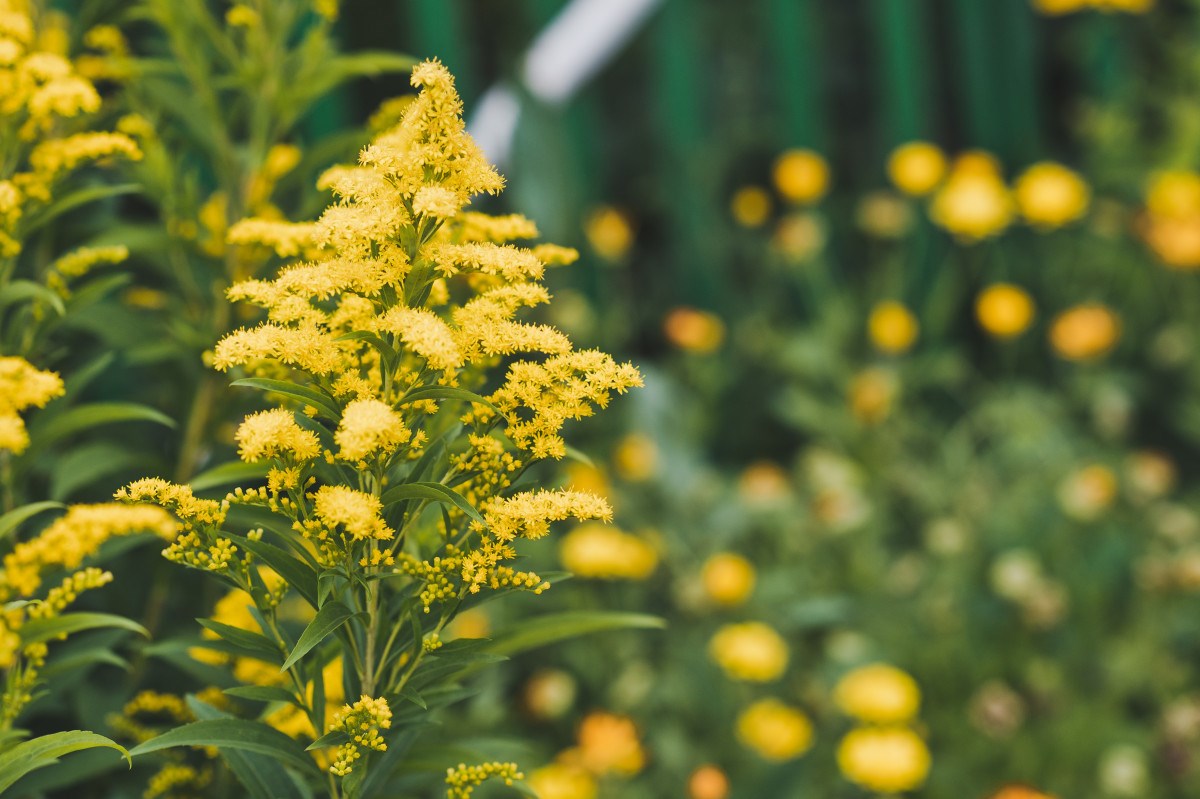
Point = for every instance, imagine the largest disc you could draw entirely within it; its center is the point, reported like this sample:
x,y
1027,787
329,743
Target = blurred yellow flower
x,y
916,168
884,215
1151,474
872,393
1085,331
602,552
801,176
608,744
708,782
549,693
470,623
751,651
892,327
586,477
973,203
1049,195
1019,792
609,232
884,759
1173,193
799,236
1128,6
1088,492
750,206
1057,7
636,457
562,781
728,579
694,330
1004,310
774,730
1174,240
763,483
878,693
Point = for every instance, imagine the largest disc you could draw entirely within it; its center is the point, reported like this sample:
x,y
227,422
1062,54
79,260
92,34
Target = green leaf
x,y
332,615
10,521
76,199
302,394
297,573
331,738
46,750
38,630
232,473
86,464
263,777
26,290
560,626
444,393
80,418
255,644
228,733
581,457
90,657
262,693
435,492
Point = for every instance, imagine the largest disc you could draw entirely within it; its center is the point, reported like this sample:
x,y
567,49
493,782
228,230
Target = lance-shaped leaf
x,y
332,615
44,629
435,492
227,733
302,394
45,751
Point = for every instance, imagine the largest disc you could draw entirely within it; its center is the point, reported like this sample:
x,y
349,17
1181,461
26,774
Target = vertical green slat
x,y
681,123
1021,96
438,30
792,32
905,80
976,42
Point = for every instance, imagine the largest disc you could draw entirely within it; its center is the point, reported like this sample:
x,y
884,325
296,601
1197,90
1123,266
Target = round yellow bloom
x,y
801,176
872,392
636,458
369,427
878,693
1085,331
708,782
1059,7
750,206
763,483
974,203
1086,493
1004,310
1173,193
884,759
884,214
694,330
728,579
892,327
562,781
752,652
916,168
1019,792
610,232
550,693
1049,195
602,552
1175,240
799,236
609,744
774,730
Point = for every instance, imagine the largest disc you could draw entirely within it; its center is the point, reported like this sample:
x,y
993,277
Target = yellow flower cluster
x,y
751,652
1060,7
199,543
728,579
463,780
275,434
884,754
22,386
601,552
1171,225
362,721
606,744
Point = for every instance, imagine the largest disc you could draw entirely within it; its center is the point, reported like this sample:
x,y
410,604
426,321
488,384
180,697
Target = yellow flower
x,y
275,434
750,206
1084,332
1049,195
608,744
609,232
801,176
708,782
22,386
799,236
1173,193
884,214
563,781
1019,792
892,327
878,693
1004,310
636,457
884,759
602,552
916,168
728,579
872,393
1087,492
1151,474
1058,7
1175,240
973,203
763,483
774,730
369,428
549,693
694,330
752,652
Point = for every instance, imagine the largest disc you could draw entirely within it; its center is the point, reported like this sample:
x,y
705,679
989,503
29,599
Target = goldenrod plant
x,y
400,463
